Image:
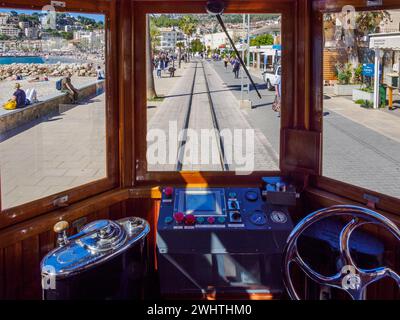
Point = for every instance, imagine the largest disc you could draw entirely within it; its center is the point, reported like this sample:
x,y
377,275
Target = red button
x,y
190,220
211,220
179,217
169,191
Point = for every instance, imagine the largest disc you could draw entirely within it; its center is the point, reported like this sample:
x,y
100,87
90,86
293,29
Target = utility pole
x,y
245,82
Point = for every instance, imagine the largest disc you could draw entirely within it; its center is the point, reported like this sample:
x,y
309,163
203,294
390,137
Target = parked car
x,y
271,77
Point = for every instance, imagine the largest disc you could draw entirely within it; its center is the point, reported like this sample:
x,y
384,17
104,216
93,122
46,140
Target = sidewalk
x,y
164,86
172,109
55,154
380,120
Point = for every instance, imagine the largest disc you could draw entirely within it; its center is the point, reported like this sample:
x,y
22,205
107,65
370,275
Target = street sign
x,y
368,69
277,47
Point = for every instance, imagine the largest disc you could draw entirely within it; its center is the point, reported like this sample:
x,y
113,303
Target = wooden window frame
x,y
35,208
351,192
286,8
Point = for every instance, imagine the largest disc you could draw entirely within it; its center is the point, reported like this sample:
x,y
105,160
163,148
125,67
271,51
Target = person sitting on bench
x,y
67,87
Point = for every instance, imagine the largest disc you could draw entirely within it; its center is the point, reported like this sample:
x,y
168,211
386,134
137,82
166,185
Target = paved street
x,y
262,117
54,154
362,146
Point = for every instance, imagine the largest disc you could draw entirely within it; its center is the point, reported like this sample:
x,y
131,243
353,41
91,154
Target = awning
x,y
385,41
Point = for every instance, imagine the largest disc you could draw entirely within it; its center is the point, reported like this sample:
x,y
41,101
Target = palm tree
x,y
188,25
151,89
180,46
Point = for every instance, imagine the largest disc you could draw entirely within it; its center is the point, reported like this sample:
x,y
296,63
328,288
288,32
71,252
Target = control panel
x,y
224,208
223,239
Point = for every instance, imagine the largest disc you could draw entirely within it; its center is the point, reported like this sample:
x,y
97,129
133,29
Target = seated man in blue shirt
x,y
19,96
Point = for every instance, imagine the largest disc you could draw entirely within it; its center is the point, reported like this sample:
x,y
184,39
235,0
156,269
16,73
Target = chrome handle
x,y
61,229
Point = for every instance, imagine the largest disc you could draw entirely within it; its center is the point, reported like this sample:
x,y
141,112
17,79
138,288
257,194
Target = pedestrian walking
x,y
276,106
236,68
160,64
226,61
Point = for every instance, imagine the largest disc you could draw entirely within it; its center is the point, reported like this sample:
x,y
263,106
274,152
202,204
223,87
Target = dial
x,y
258,218
278,217
251,196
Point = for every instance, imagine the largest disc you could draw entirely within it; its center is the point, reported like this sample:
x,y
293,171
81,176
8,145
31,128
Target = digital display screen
x,y
202,203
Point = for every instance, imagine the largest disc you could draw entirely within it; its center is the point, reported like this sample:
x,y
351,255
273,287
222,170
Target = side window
x,y
52,103
361,99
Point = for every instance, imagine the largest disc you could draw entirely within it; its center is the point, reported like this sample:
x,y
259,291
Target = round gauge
x,y
251,196
278,217
258,218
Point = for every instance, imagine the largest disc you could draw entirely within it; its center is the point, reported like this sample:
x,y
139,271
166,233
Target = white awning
x,y
385,41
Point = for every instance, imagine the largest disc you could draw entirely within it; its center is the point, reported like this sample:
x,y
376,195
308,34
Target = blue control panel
x,y
221,238
225,208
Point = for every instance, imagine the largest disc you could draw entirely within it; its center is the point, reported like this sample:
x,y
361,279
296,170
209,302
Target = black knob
x,y
236,216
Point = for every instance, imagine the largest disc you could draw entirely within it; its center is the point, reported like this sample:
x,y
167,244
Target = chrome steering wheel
x,y
351,278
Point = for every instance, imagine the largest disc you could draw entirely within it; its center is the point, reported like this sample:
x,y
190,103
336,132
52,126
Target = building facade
x,y
4,18
169,37
219,39
10,31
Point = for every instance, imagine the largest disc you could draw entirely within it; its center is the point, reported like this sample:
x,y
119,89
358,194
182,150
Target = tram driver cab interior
x,y
292,228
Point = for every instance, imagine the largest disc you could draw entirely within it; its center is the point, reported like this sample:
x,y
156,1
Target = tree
x,y
154,36
196,46
4,37
67,35
188,25
151,89
164,20
366,22
180,46
262,40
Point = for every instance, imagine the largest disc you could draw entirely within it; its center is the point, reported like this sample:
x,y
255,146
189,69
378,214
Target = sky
x,y
97,17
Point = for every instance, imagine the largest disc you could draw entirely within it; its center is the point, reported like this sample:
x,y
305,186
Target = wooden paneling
x,y
13,271
330,59
30,268
316,198
301,150
2,274
356,194
25,237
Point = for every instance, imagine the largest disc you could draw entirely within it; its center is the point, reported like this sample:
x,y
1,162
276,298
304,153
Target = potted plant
x,y
364,93
344,87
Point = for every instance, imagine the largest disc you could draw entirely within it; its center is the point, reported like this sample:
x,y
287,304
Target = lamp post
x,y
378,56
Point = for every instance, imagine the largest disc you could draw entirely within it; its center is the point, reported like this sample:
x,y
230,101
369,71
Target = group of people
x,y
21,98
161,63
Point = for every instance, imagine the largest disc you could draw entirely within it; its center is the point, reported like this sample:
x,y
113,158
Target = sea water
x,y
37,60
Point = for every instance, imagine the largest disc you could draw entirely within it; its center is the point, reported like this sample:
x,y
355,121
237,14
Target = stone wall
x,y
51,70
52,106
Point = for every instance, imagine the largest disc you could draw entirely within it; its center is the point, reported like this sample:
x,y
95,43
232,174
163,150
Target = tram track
x,y
224,166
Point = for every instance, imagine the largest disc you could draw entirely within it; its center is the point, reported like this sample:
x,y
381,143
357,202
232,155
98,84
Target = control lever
x,y
61,229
